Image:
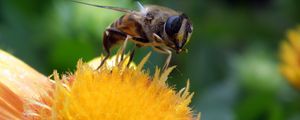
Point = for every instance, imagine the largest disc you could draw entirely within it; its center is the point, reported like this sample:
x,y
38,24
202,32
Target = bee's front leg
x,y
157,38
164,51
158,41
124,46
167,60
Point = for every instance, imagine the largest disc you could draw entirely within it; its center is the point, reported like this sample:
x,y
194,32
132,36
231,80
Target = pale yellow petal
x,y
20,78
11,105
111,62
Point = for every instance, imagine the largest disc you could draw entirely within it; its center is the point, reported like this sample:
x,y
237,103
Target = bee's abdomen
x,y
118,22
129,25
112,37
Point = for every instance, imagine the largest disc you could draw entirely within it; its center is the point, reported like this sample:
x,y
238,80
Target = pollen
x,y
117,93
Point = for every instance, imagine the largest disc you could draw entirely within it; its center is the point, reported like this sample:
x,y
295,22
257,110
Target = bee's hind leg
x,y
103,61
131,56
107,46
110,37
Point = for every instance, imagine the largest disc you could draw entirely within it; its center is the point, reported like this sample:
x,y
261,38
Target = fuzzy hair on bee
x,y
162,28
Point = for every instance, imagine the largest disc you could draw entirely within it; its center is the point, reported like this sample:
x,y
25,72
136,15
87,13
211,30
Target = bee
x,y
162,28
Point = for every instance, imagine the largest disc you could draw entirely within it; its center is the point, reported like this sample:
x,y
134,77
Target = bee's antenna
x,y
106,7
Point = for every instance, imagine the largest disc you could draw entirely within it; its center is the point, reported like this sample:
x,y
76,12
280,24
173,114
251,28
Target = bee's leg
x,y
164,51
158,41
157,38
106,46
103,61
131,56
110,38
124,47
167,60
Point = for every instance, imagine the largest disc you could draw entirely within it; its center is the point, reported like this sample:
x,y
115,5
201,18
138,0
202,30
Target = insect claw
x,y
103,61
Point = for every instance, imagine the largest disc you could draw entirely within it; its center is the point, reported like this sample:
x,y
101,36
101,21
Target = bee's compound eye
x,y
173,24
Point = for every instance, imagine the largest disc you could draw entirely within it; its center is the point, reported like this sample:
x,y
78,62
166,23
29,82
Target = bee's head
x,y
178,30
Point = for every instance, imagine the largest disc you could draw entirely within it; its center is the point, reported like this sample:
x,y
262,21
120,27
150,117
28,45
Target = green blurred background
x,y
232,62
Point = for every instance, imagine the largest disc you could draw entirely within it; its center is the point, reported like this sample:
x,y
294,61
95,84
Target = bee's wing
x,y
108,7
141,6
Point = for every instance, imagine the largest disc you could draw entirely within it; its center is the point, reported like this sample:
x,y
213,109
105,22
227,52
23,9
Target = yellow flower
x,y
290,56
111,93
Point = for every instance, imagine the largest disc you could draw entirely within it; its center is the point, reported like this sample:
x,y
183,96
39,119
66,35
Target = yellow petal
x,y
292,74
290,56
119,93
294,38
